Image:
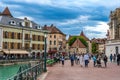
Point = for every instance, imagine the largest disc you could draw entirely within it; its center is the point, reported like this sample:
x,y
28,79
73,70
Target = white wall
x,y
111,48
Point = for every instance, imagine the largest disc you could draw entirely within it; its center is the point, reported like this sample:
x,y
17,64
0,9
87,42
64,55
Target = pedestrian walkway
x,y
68,72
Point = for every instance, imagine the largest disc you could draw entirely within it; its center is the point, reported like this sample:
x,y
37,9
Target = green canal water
x,y
8,71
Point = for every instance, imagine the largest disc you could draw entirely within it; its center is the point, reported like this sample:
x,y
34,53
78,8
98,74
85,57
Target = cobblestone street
x,y
66,72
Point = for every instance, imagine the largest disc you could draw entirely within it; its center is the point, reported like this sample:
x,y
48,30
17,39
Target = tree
x,y
94,47
72,40
83,41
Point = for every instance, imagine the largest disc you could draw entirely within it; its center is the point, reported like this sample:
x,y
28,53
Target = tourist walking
x,y
99,61
62,59
111,57
81,59
118,59
94,60
72,60
105,59
86,59
114,57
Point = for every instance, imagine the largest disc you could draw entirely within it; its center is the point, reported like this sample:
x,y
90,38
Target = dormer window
x,y
38,27
12,22
20,24
26,24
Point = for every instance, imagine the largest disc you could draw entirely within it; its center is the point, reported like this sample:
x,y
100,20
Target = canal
x,y
8,71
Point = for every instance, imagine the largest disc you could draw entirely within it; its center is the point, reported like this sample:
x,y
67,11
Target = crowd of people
x,y
84,59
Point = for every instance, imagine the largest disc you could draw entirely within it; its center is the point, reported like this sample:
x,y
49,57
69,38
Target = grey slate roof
x,y
5,20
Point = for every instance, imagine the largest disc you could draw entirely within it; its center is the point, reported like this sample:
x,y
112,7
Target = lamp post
x,y
45,69
9,54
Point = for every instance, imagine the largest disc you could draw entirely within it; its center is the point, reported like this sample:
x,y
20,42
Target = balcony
x,y
28,39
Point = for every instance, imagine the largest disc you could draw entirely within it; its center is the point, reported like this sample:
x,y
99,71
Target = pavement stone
x,y
76,72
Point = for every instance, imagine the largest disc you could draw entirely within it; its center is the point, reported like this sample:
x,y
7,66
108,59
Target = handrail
x,y
29,74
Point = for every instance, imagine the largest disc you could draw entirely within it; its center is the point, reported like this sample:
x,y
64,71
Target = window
x,y
38,38
5,45
54,42
38,46
50,36
18,46
12,45
18,35
60,42
26,36
50,42
27,46
33,46
12,35
33,37
12,22
54,36
26,24
6,34
20,24
117,49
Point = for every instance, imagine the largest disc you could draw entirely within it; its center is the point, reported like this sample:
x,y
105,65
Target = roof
x,y
6,18
70,37
83,35
53,29
78,44
7,12
99,40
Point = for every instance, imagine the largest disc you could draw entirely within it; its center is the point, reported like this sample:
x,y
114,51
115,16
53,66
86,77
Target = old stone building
x,y
113,35
56,39
100,44
78,46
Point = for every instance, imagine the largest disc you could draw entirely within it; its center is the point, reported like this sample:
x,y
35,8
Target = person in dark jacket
x,y
118,59
72,60
105,60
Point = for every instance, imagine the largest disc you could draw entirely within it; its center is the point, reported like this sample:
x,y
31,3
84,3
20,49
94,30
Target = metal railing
x,y
29,74
14,61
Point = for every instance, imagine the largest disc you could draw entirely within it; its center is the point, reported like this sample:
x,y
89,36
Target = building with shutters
x,y
20,37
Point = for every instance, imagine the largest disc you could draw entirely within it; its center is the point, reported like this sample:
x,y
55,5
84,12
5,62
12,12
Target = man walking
x,y
86,59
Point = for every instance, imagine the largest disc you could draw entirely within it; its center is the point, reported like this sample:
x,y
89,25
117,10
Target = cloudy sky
x,y
70,16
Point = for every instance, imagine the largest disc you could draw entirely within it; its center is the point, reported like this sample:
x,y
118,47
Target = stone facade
x,y
113,35
100,44
78,46
56,39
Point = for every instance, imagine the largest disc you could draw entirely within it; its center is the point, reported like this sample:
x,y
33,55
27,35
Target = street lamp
x,y
45,36
9,53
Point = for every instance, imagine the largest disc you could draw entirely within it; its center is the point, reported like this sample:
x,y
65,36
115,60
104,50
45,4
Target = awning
x,y
15,52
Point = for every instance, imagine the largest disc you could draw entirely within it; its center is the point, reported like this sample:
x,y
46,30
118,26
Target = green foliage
x,y
94,47
80,38
72,41
50,61
83,41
